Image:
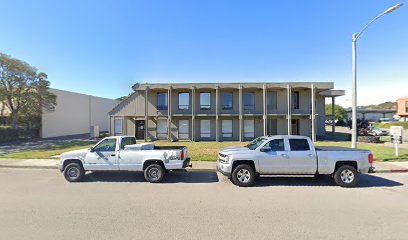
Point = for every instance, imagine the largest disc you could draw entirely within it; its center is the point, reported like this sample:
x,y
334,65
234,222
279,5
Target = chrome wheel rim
x,y
244,175
154,173
73,172
347,176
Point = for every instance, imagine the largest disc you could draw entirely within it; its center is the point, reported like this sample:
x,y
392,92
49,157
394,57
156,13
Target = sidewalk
x,y
380,167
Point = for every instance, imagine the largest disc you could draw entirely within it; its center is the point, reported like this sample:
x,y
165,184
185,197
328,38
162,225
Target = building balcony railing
x,y
205,107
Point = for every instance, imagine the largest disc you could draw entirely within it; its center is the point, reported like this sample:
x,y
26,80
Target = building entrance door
x,y
140,129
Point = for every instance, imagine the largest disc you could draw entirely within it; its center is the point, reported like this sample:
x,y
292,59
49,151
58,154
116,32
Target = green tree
x,y
24,90
340,112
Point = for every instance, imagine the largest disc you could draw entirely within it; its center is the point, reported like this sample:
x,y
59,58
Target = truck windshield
x,y
255,143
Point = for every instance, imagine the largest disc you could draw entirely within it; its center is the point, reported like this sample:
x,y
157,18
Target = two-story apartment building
x,y
221,111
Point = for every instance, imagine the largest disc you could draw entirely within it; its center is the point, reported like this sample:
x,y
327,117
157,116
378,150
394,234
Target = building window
x,y
161,129
295,100
226,128
249,128
295,127
118,127
205,101
249,101
226,100
406,106
184,101
272,101
205,128
184,129
161,101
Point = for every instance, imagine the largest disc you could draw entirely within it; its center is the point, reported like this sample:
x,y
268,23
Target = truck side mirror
x,y
92,149
266,149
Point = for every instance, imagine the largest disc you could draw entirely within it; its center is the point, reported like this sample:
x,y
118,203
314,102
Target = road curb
x,y
28,166
391,171
55,167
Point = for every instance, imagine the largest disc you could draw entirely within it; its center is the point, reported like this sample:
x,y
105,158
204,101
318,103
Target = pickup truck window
x,y
276,145
256,143
107,145
299,145
127,141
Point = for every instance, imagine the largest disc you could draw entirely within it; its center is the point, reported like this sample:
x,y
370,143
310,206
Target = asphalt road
x,y
40,204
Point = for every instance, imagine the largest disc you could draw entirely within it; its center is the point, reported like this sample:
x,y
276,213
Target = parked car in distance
x,y
375,131
292,155
121,153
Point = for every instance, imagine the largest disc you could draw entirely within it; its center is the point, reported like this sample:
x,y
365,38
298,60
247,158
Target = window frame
x,y
224,106
251,106
188,99
275,105
298,139
162,107
205,134
296,100
95,148
276,139
162,133
245,129
205,107
122,146
115,127
227,134
182,133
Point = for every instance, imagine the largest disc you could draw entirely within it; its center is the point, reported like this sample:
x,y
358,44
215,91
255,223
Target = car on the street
x,y
121,153
375,131
292,155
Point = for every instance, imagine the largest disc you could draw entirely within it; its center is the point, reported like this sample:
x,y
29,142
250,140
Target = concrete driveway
x,y
40,204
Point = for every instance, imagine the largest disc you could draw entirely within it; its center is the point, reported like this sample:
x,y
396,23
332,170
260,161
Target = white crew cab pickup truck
x,y
121,153
292,155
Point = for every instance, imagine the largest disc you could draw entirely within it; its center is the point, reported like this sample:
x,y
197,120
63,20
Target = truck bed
x,y
169,147
333,148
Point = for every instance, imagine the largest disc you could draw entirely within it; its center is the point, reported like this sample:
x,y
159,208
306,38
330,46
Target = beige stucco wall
x,y
75,113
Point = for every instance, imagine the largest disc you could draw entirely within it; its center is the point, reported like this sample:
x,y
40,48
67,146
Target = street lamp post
x,y
354,69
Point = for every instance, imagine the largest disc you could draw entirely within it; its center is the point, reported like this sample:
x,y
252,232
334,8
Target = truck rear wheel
x,y
154,173
346,176
74,172
243,175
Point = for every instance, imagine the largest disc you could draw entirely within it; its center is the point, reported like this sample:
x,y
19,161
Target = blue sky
x,y
103,47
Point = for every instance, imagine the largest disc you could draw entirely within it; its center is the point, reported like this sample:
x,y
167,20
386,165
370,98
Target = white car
x,y
121,153
292,155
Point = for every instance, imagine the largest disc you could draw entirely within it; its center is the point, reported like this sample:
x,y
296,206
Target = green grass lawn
x,y
205,151
50,151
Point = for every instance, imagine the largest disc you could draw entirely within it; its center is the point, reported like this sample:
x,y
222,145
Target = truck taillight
x,y
370,158
182,155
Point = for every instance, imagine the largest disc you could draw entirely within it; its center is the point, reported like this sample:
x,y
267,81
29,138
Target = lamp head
x,y
391,9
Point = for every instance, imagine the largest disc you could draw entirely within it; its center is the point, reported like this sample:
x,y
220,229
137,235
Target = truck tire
x,y
243,175
74,172
154,173
346,176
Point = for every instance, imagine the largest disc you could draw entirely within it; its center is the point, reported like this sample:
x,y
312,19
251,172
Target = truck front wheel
x,y
243,175
346,176
154,173
74,172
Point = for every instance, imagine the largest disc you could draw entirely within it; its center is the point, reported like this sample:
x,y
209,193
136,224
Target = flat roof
x,y
318,85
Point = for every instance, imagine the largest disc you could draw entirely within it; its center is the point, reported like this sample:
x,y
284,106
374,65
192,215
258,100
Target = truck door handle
x,y
310,155
112,155
284,155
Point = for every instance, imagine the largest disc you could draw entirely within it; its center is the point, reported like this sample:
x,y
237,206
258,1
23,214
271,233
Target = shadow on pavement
x,y
365,181
171,177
